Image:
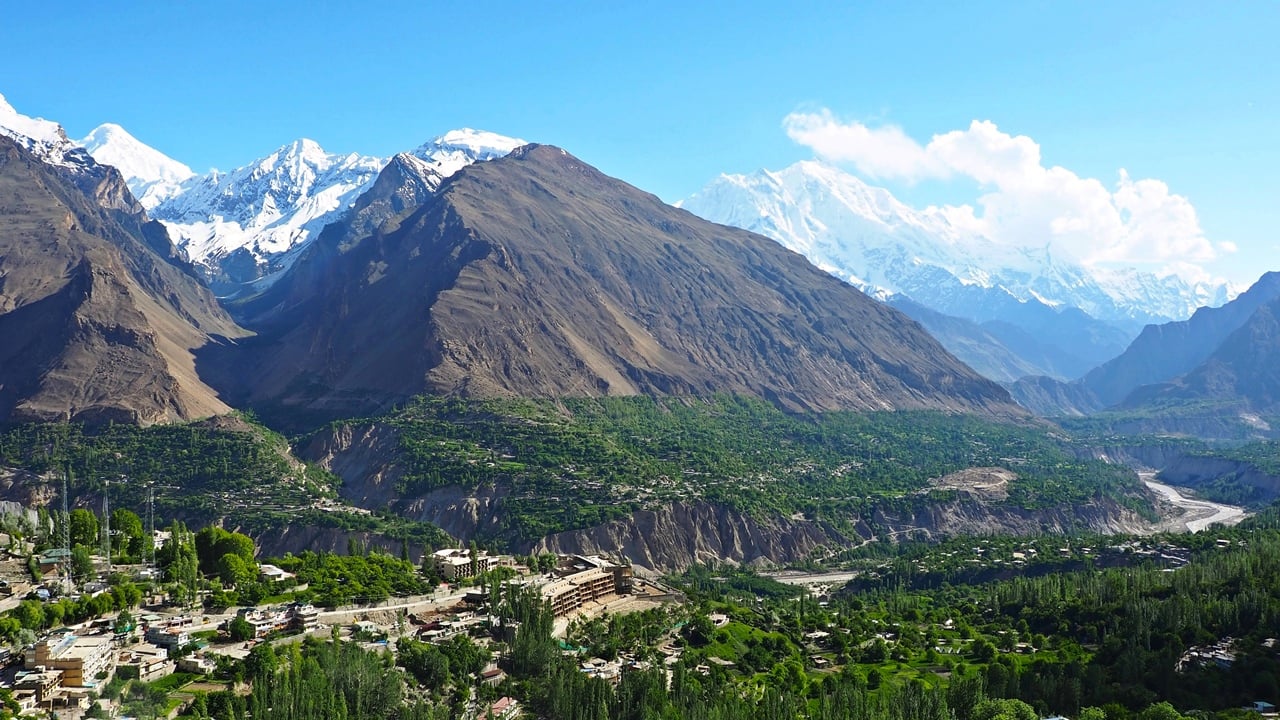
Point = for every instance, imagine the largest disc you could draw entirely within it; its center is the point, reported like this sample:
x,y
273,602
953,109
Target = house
x,y
152,661
492,677
1261,706
503,709
272,574
51,560
198,664
168,637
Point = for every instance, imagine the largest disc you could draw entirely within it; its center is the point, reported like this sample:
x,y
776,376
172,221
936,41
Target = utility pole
x,y
66,529
106,524
151,526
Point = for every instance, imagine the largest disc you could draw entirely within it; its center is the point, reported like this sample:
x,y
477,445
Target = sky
x,y
1146,131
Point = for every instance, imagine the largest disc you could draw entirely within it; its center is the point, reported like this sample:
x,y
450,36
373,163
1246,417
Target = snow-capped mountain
x,y
866,236
241,225
250,224
44,138
152,176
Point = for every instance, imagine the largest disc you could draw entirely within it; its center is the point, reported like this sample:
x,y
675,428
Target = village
x,y
68,671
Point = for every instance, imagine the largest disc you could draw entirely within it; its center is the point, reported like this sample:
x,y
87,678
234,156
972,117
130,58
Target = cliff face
x,y
1193,472
677,536
672,536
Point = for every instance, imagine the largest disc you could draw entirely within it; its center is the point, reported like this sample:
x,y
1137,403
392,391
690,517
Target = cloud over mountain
x,y
1023,203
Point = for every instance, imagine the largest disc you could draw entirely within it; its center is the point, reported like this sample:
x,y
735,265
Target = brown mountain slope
x,y
536,275
98,319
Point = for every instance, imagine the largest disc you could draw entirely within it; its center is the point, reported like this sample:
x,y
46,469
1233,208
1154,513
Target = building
x,y
585,579
151,661
81,659
51,560
273,574
198,664
455,563
169,637
304,617
42,682
503,709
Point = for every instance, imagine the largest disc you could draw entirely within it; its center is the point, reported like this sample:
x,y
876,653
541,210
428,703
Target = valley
x,y
476,429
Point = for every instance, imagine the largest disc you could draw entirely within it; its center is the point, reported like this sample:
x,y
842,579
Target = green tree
x,y
84,528
1160,711
1004,709
232,570
130,537
261,661
81,563
240,629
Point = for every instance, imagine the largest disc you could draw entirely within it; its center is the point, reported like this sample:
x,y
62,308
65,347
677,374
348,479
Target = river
x,y
1200,514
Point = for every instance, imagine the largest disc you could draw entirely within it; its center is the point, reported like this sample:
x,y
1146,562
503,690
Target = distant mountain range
x,y
246,226
1046,312
1221,362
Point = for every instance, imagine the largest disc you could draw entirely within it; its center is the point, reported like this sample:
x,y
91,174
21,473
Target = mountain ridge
x,y
537,275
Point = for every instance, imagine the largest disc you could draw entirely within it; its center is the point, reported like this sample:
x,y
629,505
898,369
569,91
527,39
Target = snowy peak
x,y
43,138
456,149
257,215
867,236
151,175
18,126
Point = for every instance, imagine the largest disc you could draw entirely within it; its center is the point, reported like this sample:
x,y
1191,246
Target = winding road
x,y
1200,513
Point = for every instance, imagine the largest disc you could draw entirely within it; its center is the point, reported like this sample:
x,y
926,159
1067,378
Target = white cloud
x,y
1023,203
884,153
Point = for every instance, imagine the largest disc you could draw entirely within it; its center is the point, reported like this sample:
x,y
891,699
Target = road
x,y
1200,513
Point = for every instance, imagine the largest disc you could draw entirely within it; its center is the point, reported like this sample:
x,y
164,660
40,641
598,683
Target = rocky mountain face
x,y
989,347
536,275
1074,317
99,315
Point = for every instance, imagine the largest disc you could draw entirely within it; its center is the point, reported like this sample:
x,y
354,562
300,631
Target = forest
x,y
574,463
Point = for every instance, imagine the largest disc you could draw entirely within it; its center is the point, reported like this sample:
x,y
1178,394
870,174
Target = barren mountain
x,y
98,314
537,275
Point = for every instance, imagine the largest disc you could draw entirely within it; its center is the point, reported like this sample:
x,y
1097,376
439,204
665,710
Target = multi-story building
x,y
304,617
169,637
152,661
80,658
42,682
455,563
585,579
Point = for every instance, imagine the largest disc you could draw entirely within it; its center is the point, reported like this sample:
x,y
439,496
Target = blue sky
x,y
668,95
